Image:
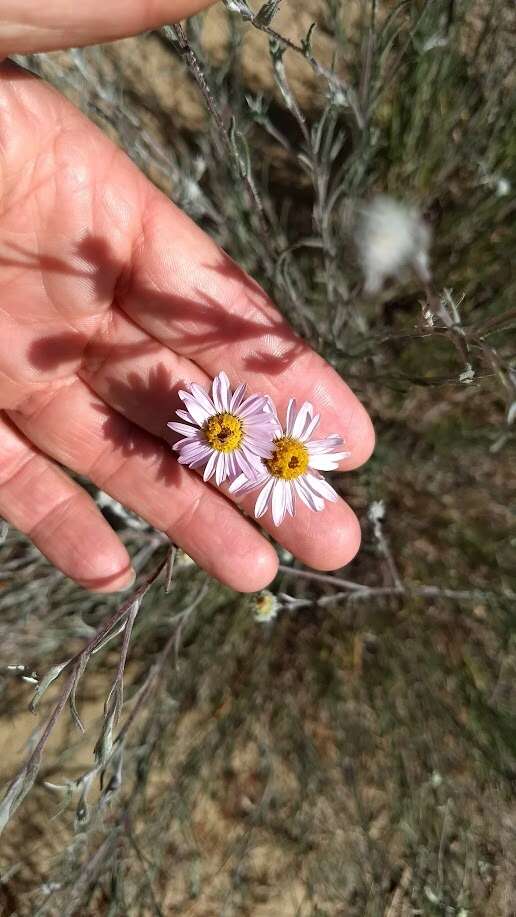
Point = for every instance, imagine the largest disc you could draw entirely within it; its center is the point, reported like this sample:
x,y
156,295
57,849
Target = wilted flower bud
x,y
266,606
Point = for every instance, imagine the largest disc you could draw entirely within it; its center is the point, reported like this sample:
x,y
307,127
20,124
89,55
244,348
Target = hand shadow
x,y
195,324
202,324
150,401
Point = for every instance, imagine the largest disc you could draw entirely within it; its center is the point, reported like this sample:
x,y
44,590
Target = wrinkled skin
x,y
110,300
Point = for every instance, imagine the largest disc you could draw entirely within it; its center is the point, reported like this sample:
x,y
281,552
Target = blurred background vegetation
x,y
357,754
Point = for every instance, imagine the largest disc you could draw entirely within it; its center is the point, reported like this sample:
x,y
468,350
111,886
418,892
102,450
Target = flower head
x,y
391,236
266,606
226,433
293,467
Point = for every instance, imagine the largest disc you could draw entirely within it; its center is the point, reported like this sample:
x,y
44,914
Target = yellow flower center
x,y
289,460
224,432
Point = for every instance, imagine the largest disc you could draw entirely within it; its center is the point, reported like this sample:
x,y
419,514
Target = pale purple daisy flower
x,y
227,433
293,470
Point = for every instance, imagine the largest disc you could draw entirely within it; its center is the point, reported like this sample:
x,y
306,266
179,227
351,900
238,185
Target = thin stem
x,y
358,591
321,578
24,779
177,36
329,75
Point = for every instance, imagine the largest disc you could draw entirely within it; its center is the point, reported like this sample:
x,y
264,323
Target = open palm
x,y
111,299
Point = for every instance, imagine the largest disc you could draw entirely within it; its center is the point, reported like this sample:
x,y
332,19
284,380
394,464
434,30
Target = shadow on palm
x,y
196,324
202,324
156,392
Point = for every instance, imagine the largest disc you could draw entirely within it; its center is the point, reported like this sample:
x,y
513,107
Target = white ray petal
x,y
310,428
193,442
264,450
225,391
311,500
263,498
199,462
196,410
182,428
260,421
240,484
238,397
291,416
252,405
278,501
321,487
215,394
245,465
210,467
184,415
220,469
327,462
202,397
289,498
324,445
232,467
303,418
191,447
193,457
251,456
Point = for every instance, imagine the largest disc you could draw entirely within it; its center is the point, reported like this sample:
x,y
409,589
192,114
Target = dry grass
x,y
355,757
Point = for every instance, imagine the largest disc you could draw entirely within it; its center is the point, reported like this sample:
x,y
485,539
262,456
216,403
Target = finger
x,y
141,380
28,25
141,472
59,517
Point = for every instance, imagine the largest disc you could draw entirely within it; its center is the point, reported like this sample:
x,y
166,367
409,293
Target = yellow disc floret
x,y
224,432
289,459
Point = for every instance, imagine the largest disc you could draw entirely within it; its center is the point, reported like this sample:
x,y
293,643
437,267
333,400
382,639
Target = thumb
x,y
28,25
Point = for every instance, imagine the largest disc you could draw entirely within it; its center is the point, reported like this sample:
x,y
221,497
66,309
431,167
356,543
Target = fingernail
x,y
131,578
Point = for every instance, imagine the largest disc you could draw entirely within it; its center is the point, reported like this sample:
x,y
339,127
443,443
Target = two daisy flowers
x,y
238,438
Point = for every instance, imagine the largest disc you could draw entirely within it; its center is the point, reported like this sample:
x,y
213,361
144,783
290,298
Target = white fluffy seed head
x,y
391,236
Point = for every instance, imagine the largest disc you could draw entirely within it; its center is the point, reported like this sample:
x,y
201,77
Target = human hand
x,y
111,300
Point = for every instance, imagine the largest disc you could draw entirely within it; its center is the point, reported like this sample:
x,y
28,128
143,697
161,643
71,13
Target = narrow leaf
x,y
266,13
45,683
306,43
